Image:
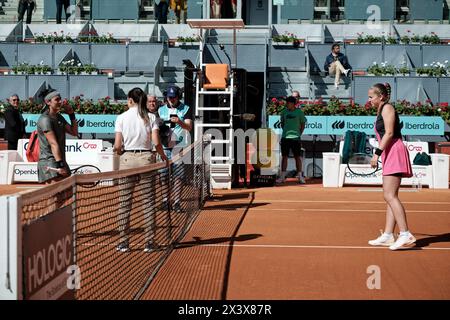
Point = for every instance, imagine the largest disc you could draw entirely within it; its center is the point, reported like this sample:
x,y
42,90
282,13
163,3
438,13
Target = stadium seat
x,y
216,76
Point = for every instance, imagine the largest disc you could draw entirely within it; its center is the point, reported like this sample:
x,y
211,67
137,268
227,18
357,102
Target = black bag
x,y
422,159
165,134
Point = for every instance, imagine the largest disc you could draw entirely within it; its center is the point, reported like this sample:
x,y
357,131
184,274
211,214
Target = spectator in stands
x,y
164,130
52,129
293,122
179,7
216,6
136,131
59,7
396,165
153,104
161,11
296,95
14,123
337,64
179,116
28,6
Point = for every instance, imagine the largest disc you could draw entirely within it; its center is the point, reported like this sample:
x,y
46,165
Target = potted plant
x,y
183,41
368,39
422,71
415,39
90,69
20,69
404,71
287,39
431,39
391,40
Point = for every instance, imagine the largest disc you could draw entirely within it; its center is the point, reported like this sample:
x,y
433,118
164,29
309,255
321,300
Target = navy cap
x,y
172,92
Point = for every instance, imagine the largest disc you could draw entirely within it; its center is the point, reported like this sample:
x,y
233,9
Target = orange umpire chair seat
x,y
216,76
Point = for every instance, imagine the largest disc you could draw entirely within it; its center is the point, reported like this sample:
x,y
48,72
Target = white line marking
x,y
370,210
313,247
381,190
40,187
343,210
271,246
265,201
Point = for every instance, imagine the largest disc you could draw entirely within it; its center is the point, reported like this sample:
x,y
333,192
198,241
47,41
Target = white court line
x,y
335,201
369,210
279,246
40,187
313,247
343,210
381,190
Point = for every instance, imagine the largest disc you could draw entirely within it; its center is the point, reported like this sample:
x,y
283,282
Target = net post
x,y
11,281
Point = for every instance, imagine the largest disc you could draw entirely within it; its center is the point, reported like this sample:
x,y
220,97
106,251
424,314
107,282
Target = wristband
x,y
59,164
72,116
378,151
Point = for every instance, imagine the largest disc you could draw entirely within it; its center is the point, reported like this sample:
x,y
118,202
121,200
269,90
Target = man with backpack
x,y
52,129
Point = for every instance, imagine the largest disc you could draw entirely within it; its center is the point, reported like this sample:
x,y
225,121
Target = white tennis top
x,y
136,134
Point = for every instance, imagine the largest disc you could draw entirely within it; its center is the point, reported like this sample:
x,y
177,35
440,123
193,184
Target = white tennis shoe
x,y
403,242
385,240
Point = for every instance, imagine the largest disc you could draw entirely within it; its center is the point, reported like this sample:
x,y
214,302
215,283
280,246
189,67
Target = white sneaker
x,y
336,86
346,72
301,180
403,241
384,240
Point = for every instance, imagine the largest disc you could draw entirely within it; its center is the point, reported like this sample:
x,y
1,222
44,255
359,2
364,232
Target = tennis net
x,y
123,225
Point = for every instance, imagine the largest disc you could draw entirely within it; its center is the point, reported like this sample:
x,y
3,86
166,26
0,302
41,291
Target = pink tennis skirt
x,y
395,159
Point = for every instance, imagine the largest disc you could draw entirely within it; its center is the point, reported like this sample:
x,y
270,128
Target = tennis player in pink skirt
x,y
396,165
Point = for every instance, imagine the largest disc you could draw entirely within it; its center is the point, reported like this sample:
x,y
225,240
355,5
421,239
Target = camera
x,y
172,124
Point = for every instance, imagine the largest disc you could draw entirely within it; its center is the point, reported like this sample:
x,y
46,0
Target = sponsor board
x,y
87,123
76,149
25,172
28,172
421,173
314,124
338,125
47,255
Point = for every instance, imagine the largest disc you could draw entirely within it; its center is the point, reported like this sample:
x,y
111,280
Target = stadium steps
x,y
169,76
323,86
253,35
282,82
8,11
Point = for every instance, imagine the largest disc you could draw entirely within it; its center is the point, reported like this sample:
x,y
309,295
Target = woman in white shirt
x,y
136,130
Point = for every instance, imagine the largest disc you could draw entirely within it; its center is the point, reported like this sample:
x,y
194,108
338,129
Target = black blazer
x,y
14,124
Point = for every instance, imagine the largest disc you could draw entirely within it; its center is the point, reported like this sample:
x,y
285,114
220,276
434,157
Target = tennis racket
x,y
357,165
84,169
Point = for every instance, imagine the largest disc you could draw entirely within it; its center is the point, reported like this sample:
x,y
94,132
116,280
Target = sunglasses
x,y
15,100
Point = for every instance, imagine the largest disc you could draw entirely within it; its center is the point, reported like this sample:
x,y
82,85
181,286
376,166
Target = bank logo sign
x,y
338,125
87,123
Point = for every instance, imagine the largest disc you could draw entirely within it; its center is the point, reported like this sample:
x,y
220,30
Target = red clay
x,y
307,242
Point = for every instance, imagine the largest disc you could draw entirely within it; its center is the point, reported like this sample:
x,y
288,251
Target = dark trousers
x,y
59,6
161,11
24,6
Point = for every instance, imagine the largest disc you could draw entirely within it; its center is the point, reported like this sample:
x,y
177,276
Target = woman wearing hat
x,y
52,129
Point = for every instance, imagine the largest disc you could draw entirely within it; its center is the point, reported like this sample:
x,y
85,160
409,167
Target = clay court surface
x,y
306,242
